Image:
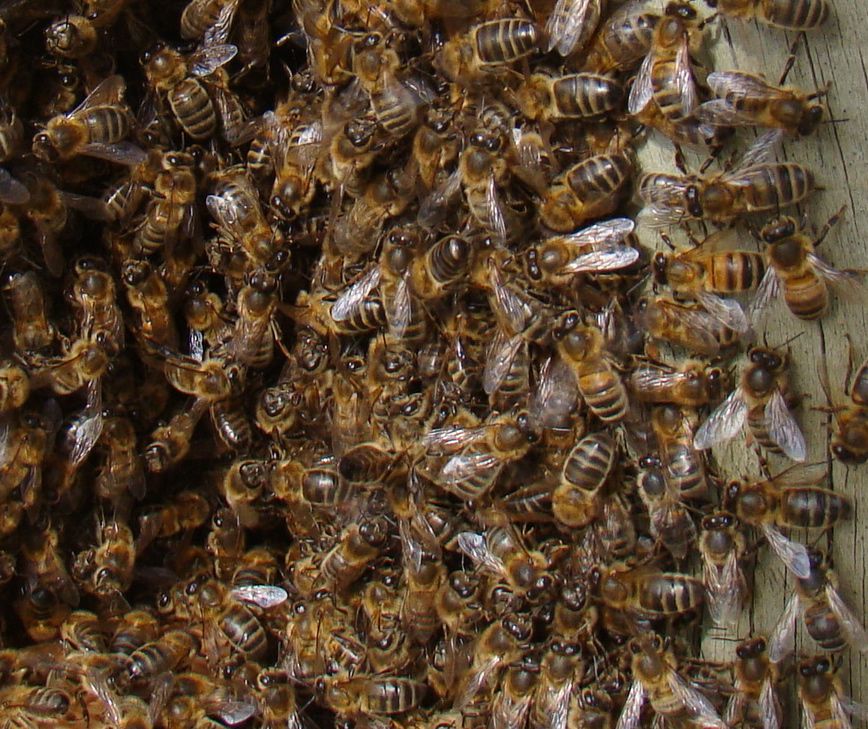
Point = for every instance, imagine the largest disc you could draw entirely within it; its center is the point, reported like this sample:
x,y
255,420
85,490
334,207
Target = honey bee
x,y
370,695
669,521
745,99
170,442
656,678
14,386
571,25
828,619
576,500
754,185
760,400
167,653
211,19
589,189
148,295
723,547
135,628
687,325
512,704
182,79
436,145
690,384
756,678
94,292
82,364
352,151
32,330
72,36
97,128
822,694
358,546
418,12
171,216
796,272
113,560
793,15
682,464
357,308
329,46
598,248
561,671
850,436
44,567
487,48
582,348
40,611
186,511
585,96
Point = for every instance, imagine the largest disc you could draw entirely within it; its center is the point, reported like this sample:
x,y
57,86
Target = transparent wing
x,y
783,428
442,441
726,311
209,58
494,209
733,708
86,430
567,24
632,711
684,78
834,275
724,423
792,554
473,545
782,640
231,711
12,192
647,377
612,258
719,113
607,232
642,89
556,394
699,707
109,92
736,86
352,297
433,208
123,153
399,308
770,712
840,712
501,355
560,706
265,596
466,466
218,33
662,216
768,290
509,713
856,634
724,594
197,345
761,151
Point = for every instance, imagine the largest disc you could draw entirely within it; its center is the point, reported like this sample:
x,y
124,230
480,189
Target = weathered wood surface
x,y
839,155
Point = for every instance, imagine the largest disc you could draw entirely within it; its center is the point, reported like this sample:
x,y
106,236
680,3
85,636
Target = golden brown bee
x,y
32,330
822,694
135,628
352,151
122,472
582,348
576,499
358,545
210,18
511,705
643,593
587,190
690,384
170,442
722,546
171,650
754,185
40,611
83,363
682,464
366,695
294,153
97,128
14,386
828,619
436,145
487,48
171,216
796,273
585,96
760,401
25,446
185,511
789,14
850,436
114,560
756,678
83,631
745,99
148,296
669,521
687,325
656,679
329,45
73,36
95,294
571,25
358,308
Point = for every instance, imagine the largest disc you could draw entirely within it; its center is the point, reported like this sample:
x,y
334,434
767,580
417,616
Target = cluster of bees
x,y
454,469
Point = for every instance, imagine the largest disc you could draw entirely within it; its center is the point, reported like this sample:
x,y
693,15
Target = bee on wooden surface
x,y
822,694
585,96
746,99
97,128
669,521
687,325
487,49
760,401
682,464
723,546
656,679
796,273
754,185
571,25
789,15
587,190
756,679
690,384
850,434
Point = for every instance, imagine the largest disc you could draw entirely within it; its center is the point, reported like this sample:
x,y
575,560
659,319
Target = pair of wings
x,y
697,706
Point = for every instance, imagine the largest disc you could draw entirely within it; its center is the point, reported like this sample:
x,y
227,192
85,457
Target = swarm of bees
x,y
351,375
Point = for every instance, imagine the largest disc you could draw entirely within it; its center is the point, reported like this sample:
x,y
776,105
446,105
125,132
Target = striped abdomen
x,y
106,124
603,390
504,41
625,38
590,462
599,176
812,507
586,95
193,109
770,187
669,594
730,271
795,14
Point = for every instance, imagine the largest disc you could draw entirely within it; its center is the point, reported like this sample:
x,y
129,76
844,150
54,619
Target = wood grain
x,y
839,155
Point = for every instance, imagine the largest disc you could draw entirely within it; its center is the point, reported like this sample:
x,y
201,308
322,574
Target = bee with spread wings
x,y
760,401
756,676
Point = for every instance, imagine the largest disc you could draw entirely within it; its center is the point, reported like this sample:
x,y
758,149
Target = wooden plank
x,y
839,155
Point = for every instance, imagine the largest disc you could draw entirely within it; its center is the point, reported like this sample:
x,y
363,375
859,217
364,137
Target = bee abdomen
x,y
590,461
604,393
733,271
107,124
193,109
504,41
813,507
806,295
796,14
599,176
586,95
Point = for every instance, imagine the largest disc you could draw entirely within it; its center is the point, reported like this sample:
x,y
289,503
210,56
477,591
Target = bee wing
x,y
667,190
351,297
782,640
770,712
570,24
724,595
783,428
733,86
661,216
465,466
473,545
451,439
560,706
610,258
236,129
123,153
808,716
506,302
209,58
475,683
724,423
761,151
230,711
700,708
97,683
399,308
218,32
718,112
632,711
856,634
86,430
264,596
433,208
768,290
12,192
556,393
684,78
642,89
494,209
726,311
609,232
733,708
197,345
509,713
648,377
501,355
834,275
840,711
108,92
792,554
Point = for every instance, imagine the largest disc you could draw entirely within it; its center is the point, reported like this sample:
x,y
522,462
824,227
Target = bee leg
x,y
830,223
791,59
679,160
851,363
